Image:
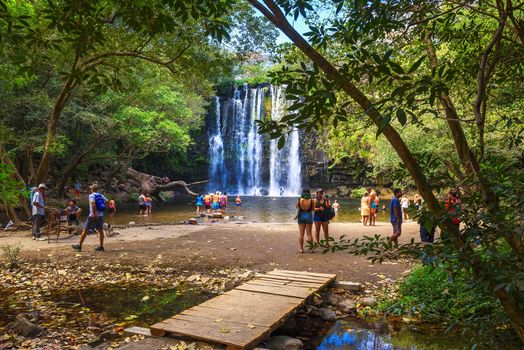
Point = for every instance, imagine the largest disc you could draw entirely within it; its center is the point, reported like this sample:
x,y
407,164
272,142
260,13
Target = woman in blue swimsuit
x,y
305,218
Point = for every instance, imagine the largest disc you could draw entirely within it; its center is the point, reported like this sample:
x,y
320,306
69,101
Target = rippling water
x,y
254,209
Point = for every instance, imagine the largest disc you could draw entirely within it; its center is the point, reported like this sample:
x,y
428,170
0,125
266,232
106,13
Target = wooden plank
x,y
306,273
146,332
297,292
284,283
244,316
287,280
226,332
300,276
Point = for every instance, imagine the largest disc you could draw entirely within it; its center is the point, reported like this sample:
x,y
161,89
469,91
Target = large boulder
x,y
324,313
343,191
282,342
368,301
24,327
347,306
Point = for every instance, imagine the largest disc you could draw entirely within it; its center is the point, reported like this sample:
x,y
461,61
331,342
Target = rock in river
x,y
282,342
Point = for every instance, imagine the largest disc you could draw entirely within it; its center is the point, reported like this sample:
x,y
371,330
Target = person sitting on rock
x,y
73,213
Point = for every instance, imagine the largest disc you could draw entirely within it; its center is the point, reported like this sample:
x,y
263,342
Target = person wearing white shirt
x,y
38,211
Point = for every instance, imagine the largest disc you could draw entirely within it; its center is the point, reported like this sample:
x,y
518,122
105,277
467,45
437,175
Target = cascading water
x,y
243,161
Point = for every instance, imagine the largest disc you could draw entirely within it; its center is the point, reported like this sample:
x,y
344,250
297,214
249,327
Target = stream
x,y
141,305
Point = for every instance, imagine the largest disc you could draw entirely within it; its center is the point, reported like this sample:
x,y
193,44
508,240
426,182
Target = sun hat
x,y
42,186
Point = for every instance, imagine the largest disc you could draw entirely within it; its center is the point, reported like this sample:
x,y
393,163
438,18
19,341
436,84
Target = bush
x,y
429,294
358,192
11,254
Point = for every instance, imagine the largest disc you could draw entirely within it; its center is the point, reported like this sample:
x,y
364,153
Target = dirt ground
x,y
203,248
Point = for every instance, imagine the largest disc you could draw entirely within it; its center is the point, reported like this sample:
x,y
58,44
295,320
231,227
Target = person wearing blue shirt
x,y
95,220
199,203
395,215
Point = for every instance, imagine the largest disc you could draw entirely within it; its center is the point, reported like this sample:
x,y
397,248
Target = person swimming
x,y
238,201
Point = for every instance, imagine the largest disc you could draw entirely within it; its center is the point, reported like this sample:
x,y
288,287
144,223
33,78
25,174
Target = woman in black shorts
x,y
305,218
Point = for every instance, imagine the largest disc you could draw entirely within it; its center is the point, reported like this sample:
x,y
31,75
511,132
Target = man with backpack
x,y
95,220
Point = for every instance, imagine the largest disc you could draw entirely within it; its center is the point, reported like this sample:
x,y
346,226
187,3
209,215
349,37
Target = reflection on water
x,y
355,334
253,209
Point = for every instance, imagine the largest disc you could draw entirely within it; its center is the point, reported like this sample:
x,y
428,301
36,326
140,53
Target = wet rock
x,y
290,326
95,342
368,301
132,223
25,328
324,313
229,284
282,342
347,306
109,335
193,278
247,274
84,347
332,299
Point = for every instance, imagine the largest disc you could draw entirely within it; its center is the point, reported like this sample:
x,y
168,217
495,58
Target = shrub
x,y
358,192
431,295
11,254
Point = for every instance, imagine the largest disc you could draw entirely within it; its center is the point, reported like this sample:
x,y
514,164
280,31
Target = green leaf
x,y
401,116
281,142
383,123
417,64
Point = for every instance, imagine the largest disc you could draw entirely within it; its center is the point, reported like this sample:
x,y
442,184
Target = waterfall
x,y
216,149
242,160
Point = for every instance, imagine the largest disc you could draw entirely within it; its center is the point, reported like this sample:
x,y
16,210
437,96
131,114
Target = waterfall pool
x,y
263,209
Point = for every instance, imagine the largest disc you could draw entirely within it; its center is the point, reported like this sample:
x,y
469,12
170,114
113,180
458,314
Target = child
x,y
149,204
111,206
238,201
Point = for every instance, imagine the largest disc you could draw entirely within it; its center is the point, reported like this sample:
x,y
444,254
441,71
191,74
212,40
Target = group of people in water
x,y
214,202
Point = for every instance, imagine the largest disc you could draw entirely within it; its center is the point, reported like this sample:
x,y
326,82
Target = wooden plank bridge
x,y
246,315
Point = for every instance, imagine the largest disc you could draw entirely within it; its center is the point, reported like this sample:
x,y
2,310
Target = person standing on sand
x,y
142,204
320,216
95,220
395,216
38,211
199,203
364,208
404,203
305,218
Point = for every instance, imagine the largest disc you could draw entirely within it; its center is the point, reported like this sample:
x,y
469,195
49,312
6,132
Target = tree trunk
x,y
147,185
52,126
274,14
512,309
24,203
72,165
12,215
